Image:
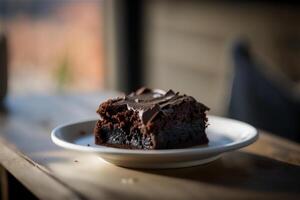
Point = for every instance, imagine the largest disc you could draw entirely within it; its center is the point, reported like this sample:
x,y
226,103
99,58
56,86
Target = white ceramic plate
x,y
224,135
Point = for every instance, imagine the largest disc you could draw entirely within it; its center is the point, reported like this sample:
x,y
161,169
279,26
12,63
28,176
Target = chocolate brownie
x,y
151,119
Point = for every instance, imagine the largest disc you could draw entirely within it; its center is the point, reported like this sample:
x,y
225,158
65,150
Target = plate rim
x,y
181,151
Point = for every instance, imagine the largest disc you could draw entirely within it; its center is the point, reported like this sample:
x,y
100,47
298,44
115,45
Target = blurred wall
x,y
188,44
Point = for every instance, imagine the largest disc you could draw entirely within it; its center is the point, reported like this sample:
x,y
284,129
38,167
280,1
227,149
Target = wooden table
x,y
268,169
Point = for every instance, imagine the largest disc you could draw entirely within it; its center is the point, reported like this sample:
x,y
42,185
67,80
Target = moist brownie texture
x,y
151,119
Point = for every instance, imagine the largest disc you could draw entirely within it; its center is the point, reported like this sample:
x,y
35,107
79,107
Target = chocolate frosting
x,y
149,103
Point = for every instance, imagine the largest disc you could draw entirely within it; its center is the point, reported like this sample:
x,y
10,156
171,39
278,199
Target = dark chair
x,y
258,100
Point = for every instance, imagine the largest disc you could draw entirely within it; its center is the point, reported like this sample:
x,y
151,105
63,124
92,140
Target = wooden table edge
x,y
24,169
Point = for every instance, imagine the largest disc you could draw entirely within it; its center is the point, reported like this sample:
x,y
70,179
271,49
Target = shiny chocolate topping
x,y
149,103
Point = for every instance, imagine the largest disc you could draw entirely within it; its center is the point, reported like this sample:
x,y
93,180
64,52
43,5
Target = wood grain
x,y
268,169
32,175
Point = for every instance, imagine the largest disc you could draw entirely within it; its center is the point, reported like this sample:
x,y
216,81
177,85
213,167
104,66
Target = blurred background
x,y
53,45
241,58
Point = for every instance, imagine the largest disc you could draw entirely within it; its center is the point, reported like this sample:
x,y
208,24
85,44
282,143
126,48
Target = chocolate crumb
x,y
82,132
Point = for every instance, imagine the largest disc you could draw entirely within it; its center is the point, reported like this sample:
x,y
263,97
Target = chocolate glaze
x,y
149,103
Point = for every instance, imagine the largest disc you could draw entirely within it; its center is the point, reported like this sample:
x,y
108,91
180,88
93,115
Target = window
x,y
54,46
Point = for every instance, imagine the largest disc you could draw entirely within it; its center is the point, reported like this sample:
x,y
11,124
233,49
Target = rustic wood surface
x,y
268,169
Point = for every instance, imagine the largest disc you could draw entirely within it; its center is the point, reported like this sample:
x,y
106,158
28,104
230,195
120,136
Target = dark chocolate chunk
x,y
149,114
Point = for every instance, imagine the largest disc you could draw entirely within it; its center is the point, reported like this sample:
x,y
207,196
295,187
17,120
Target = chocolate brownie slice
x,y
151,119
